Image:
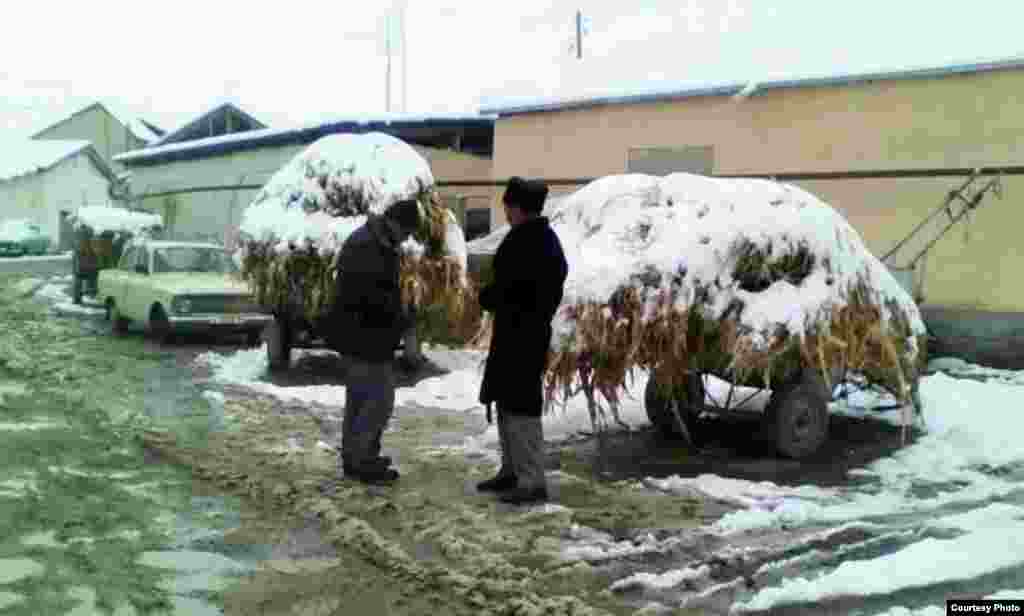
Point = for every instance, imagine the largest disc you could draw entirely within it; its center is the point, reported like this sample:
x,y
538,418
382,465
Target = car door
x,y
136,284
111,280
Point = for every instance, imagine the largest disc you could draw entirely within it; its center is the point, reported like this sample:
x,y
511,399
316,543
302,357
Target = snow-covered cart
x,y
292,233
698,280
101,233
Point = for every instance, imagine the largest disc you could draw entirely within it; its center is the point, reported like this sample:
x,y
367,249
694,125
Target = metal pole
x,y
405,63
579,35
387,43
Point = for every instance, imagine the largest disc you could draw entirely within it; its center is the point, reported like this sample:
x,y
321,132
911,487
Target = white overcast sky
x,y
296,62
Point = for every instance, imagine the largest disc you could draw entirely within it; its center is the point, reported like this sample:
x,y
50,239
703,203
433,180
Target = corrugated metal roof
x,y
270,137
664,94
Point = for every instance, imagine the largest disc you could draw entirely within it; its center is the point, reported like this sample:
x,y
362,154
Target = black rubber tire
x,y
279,344
118,324
254,337
656,403
160,325
797,416
76,290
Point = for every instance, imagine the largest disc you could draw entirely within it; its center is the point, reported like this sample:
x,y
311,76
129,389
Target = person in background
x,y
529,275
367,321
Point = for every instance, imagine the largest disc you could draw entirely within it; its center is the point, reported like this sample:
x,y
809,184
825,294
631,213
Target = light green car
x,y
179,287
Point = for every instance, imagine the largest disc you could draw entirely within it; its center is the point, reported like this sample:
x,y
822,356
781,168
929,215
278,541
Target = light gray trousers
x,y
369,404
522,448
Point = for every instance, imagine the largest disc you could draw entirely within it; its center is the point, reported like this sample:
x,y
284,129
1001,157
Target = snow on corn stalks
x,y
749,279
292,232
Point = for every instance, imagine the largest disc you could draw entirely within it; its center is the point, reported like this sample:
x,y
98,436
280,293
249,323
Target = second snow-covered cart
x,y
755,287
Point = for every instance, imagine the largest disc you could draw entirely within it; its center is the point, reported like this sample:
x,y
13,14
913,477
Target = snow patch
x,y
925,563
661,581
104,218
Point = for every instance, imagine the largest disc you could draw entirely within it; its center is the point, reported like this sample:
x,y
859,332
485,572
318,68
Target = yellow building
x,y
960,116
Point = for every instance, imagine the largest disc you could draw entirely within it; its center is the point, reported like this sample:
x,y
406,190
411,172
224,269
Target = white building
x,y
40,180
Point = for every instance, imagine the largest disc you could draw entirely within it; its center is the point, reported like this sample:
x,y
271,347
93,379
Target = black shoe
x,y
498,484
380,463
373,474
523,496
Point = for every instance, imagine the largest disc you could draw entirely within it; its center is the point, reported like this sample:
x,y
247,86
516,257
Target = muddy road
x,y
223,494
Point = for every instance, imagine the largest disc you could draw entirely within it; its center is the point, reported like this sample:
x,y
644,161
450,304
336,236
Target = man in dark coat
x,y
529,275
367,321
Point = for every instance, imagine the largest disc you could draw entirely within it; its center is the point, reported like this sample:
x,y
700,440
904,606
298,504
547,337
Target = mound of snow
x,y
325,192
619,229
101,218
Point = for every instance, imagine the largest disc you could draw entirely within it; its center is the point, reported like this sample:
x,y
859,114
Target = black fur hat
x,y
527,195
406,214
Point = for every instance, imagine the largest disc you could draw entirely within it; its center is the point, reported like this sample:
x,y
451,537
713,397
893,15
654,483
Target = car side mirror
x,y
141,269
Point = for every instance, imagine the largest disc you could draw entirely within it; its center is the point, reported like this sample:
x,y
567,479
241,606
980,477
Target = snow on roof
x,y
26,156
379,168
172,136
17,230
647,92
101,218
623,226
272,136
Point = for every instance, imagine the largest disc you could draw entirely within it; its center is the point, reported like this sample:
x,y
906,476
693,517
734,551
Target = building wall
x,y
41,197
217,215
106,133
892,124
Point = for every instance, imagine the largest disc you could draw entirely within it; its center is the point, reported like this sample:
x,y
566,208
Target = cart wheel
x,y
279,344
254,337
656,403
797,416
160,325
119,324
76,290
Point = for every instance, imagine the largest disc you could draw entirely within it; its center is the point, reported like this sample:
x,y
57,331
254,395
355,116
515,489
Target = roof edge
x,y
657,95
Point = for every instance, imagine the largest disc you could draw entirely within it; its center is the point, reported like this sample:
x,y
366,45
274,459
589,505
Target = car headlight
x,y
181,305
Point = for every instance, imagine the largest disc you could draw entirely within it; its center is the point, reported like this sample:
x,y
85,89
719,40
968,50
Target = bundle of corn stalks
x,y
328,191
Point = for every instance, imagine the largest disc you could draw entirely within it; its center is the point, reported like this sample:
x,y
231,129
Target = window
x,y
663,161
478,222
192,259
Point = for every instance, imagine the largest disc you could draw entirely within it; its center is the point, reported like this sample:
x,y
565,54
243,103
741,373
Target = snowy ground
x,y
944,514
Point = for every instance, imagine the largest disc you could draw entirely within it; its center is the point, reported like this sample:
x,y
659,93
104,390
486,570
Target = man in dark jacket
x,y
367,321
529,275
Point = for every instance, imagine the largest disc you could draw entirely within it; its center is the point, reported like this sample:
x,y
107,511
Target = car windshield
x,y
192,259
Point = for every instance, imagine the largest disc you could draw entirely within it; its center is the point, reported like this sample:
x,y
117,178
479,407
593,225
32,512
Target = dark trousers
x,y
369,404
521,438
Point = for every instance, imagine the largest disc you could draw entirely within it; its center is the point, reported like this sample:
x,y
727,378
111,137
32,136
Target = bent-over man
x,y
529,275
367,321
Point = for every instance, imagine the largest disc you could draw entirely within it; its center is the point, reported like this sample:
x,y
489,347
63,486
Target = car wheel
x,y
159,325
659,412
797,416
279,344
119,324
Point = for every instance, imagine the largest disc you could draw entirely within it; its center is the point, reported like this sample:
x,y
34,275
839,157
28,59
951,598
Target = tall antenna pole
x,y
405,63
579,35
387,86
